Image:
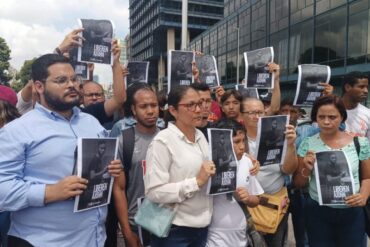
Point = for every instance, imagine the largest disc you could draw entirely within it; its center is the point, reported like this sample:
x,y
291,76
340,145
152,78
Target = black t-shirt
x,y
97,110
204,129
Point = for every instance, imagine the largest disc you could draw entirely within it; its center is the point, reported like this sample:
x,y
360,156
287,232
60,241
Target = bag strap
x,y
357,146
128,140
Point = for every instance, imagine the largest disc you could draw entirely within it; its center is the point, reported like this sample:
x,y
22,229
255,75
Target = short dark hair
x,y
39,70
352,78
176,94
200,87
329,100
227,123
162,98
131,92
101,142
286,101
231,92
173,99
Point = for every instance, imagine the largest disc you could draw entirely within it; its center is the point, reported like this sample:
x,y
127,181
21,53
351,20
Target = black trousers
x,y
111,225
17,242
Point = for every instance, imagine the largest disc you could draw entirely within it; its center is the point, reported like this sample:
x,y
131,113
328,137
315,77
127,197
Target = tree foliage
x,y
4,61
17,86
25,73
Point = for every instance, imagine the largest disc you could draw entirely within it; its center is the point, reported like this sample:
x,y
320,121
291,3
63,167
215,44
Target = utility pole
x,y
184,25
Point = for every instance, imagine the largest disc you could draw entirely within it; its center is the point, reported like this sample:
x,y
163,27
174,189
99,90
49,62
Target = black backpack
x,y
128,137
112,220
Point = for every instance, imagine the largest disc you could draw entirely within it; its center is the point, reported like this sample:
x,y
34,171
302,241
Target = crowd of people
x,y
163,155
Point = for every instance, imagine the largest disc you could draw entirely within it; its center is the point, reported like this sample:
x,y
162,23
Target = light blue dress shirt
x,y
35,150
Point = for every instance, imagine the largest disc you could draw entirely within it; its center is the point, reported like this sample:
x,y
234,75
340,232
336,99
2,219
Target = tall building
x,y
125,50
155,27
330,32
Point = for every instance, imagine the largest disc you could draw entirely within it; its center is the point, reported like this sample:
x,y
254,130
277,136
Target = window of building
x,y
205,43
358,32
245,27
222,38
326,5
258,25
279,41
330,38
221,64
301,10
232,34
300,45
213,42
279,15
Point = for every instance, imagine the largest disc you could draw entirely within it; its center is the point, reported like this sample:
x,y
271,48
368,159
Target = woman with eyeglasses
x,y
271,177
177,170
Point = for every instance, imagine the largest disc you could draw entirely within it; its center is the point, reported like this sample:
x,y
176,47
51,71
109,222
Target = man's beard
x,y
57,104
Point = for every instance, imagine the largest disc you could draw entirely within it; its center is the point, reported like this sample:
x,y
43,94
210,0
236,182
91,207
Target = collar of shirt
x,y
177,131
53,115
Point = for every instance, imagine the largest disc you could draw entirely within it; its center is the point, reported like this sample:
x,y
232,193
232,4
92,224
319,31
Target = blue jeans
x,y
333,227
4,228
181,236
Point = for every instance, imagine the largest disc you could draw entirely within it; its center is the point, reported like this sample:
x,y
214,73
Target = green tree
x,y
17,86
25,72
4,61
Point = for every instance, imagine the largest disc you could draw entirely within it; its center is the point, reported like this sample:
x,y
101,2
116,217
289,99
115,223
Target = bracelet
x,y
58,51
302,174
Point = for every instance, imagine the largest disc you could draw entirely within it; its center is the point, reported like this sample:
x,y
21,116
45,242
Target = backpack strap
x,y
357,146
128,141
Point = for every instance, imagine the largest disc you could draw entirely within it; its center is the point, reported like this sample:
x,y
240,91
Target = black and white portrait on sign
x,y
308,87
94,156
256,68
264,95
138,72
271,143
179,68
97,46
222,153
81,69
247,92
207,70
334,178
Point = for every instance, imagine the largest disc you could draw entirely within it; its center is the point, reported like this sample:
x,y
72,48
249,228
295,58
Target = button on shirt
x,y
35,150
173,163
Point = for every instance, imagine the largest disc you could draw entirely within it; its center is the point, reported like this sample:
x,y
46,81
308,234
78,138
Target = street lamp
x,y
184,25
237,56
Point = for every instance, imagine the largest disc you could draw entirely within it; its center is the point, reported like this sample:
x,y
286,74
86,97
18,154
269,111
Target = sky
x,y
35,27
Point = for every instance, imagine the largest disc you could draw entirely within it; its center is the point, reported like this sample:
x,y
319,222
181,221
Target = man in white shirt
x,y
355,91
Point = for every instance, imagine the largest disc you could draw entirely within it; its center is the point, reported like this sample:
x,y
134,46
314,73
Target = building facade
x,y
155,28
330,32
125,50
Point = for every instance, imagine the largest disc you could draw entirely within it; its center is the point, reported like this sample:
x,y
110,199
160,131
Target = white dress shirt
x,y
173,163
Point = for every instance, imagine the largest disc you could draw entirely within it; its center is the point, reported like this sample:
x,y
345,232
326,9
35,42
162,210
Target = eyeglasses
x,y
63,80
254,113
192,106
94,95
